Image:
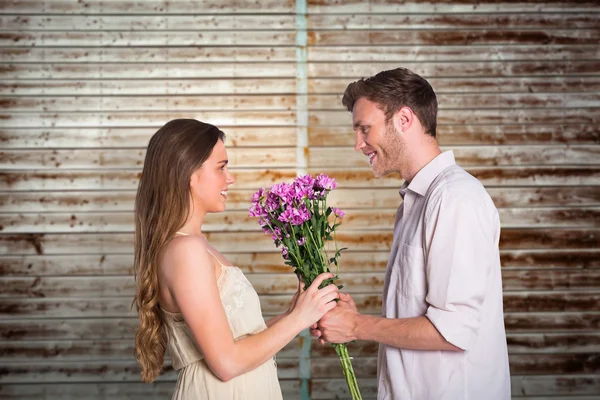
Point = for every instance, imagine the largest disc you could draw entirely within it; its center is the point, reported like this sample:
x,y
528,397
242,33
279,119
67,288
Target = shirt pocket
x,y
413,282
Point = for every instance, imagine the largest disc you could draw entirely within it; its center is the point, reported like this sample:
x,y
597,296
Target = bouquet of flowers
x,y
298,219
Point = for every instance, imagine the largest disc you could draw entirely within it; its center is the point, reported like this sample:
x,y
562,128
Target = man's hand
x,y
339,324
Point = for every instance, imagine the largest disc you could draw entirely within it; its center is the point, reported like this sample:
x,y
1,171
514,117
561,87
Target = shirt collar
x,y
422,180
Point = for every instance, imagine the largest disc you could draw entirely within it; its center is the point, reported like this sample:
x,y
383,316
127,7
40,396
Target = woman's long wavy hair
x,y
161,208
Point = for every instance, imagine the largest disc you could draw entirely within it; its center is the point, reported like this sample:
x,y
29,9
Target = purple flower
x,y
303,192
325,182
301,241
272,202
257,210
284,191
295,216
276,234
338,213
256,197
304,187
284,252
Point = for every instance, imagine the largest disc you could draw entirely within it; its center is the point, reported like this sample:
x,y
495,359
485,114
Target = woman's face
x,y
209,183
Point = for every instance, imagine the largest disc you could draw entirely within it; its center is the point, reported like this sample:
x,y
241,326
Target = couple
x,y
441,333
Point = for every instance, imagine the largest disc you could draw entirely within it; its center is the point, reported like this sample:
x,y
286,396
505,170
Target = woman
x,y
188,295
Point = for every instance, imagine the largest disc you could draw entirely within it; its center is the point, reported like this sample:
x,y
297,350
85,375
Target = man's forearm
x,y
406,333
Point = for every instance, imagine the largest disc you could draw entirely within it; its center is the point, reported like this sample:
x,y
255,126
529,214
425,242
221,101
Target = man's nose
x,y
359,143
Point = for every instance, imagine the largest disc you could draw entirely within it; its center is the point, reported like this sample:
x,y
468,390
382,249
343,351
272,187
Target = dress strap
x,y
215,257
209,252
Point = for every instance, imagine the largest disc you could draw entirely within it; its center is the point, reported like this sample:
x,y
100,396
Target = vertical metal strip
x,y
301,89
305,364
302,163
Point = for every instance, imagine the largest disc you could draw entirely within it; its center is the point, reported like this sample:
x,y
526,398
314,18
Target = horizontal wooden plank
x,y
438,20
83,371
314,22
84,180
252,157
314,54
448,135
121,328
318,157
549,279
198,22
445,117
453,37
91,137
349,71
225,241
281,283
285,118
102,243
143,119
445,101
193,86
247,179
88,391
551,321
162,103
122,264
401,54
556,385
518,343
567,388
109,38
559,387
19,308
526,364
104,349
239,199
142,86
489,176
458,69
437,6
421,37
327,157
148,70
98,371
517,238
149,7
234,221
68,329
107,104
479,84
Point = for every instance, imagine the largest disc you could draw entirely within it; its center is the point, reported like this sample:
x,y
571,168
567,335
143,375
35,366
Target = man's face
x,y
377,139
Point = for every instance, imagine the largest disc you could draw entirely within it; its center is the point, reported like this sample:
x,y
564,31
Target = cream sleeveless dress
x,y
196,381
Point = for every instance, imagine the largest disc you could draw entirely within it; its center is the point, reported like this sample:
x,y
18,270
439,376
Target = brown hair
x,y
161,207
394,89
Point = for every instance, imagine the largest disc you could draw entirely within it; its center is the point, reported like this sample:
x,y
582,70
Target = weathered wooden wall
x,y
84,84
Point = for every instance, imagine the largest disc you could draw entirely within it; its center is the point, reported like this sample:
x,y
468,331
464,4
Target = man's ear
x,y
403,119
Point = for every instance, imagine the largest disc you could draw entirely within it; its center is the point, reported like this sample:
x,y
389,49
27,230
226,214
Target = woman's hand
x,y
311,304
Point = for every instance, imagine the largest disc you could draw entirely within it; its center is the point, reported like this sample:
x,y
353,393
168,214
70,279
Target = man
x,y
442,334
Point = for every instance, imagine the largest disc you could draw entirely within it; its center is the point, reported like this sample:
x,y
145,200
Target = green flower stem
x,y
346,362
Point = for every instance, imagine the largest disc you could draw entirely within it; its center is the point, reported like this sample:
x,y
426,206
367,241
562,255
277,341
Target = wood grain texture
x,y
356,198
84,85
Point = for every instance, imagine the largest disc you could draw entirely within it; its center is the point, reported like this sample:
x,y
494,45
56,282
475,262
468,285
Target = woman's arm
x,y
192,283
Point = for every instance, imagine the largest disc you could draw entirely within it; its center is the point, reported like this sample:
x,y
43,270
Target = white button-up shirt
x,y
445,264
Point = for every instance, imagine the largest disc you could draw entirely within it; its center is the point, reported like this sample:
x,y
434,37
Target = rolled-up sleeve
x,y
460,245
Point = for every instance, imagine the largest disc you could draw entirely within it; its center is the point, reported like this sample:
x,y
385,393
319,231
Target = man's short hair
x,y
394,89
